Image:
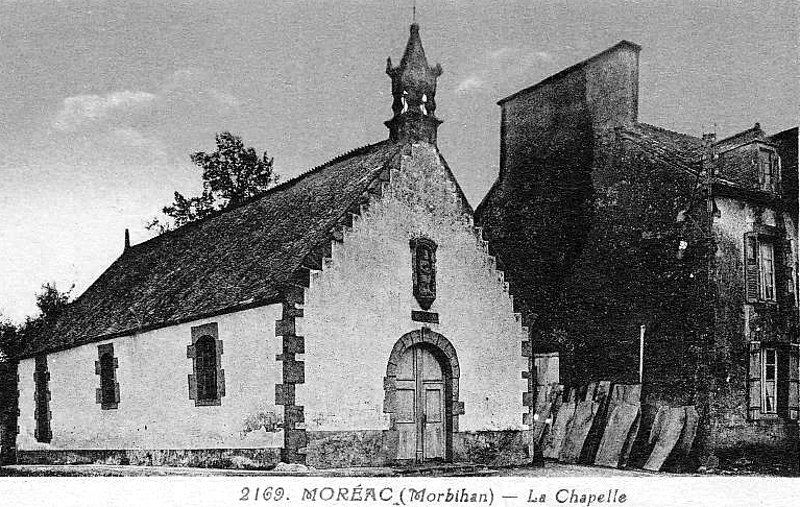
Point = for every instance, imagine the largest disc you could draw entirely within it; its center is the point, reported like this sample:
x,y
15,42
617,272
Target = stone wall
x,y
155,411
730,431
361,304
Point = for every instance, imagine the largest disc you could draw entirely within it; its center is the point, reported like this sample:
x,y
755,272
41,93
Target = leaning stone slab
x,y
555,438
669,432
602,397
547,403
619,434
684,445
627,393
577,431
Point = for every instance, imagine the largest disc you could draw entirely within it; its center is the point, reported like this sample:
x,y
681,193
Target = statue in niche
x,y
423,253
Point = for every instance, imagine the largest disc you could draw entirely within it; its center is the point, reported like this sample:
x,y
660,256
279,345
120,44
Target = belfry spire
x,y
414,94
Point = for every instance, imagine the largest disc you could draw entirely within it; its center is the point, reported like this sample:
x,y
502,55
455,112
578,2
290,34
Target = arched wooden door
x,y
420,415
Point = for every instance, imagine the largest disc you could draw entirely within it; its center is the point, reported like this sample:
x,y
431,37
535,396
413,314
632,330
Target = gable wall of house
x,y
738,323
360,305
154,409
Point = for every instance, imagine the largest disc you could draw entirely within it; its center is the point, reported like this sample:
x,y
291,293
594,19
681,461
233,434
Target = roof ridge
x,y
668,131
281,186
754,128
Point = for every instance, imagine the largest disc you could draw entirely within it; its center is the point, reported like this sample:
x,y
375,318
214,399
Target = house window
x,y
769,381
767,270
774,388
768,170
207,382
761,260
107,396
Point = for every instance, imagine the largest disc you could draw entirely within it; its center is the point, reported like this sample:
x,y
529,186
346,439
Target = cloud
x,y
184,95
82,110
506,63
197,86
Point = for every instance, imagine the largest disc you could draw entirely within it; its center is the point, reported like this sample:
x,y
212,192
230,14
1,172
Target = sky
x,y
101,103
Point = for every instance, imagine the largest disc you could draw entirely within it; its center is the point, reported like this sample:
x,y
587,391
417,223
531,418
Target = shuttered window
x,y
761,262
773,383
768,170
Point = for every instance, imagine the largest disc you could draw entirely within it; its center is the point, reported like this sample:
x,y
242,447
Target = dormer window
x,y
768,173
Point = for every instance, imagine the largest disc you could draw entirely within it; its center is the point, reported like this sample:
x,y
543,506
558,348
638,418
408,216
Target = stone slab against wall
x,y
578,430
665,434
555,438
620,430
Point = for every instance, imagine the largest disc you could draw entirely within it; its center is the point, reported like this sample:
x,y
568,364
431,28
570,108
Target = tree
x,y
9,339
231,175
50,301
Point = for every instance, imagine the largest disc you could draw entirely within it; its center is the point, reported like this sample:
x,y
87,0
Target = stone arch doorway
x,y
421,396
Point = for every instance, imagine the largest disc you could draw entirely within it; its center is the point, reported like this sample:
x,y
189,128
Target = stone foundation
x,y
259,459
336,449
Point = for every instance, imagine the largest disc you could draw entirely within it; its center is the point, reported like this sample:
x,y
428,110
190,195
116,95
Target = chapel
x,y
352,315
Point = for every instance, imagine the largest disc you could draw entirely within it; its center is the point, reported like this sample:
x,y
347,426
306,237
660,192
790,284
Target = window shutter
x,y
783,383
785,281
794,381
754,381
751,267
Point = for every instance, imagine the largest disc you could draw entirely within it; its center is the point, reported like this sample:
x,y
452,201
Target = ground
x,y
550,469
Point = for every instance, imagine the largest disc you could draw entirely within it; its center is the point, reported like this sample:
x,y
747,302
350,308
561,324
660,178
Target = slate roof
x,y
680,150
744,137
239,258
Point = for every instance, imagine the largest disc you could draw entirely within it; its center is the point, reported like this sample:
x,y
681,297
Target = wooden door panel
x,y
434,427
433,404
419,413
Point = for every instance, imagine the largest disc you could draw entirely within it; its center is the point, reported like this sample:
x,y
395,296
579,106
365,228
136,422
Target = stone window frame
x,y
42,415
100,399
198,332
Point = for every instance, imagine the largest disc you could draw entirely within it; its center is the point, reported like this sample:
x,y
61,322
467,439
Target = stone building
x,y
610,227
349,316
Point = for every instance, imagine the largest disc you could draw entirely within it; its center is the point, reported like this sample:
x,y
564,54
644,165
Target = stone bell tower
x,y
414,93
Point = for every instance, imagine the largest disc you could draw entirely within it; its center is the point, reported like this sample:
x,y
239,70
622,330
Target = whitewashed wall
x,y
155,411
360,305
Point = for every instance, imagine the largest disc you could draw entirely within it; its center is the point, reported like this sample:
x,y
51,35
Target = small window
x,y
206,357
41,411
767,271
761,260
768,170
207,382
105,367
769,381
